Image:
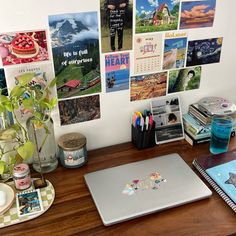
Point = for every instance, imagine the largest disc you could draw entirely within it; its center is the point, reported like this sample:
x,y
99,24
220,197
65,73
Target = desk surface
x,y
74,213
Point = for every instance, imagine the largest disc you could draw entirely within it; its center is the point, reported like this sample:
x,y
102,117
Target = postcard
x,y
29,203
79,109
76,53
147,53
3,85
184,79
148,86
23,47
204,51
153,16
117,72
197,14
168,117
174,50
42,75
116,25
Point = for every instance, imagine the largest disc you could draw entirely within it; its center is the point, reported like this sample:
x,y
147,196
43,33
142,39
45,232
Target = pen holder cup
x,y
143,139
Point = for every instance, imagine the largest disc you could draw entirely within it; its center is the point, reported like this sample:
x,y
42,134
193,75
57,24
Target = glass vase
x,y
44,159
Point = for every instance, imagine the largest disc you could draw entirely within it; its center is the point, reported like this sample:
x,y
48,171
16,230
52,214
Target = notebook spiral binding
x,y
215,186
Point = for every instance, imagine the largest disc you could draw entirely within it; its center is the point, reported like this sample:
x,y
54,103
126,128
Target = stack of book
x,y
195,131
197,125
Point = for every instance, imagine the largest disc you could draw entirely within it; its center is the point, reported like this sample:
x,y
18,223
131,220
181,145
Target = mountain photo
x,y
75,48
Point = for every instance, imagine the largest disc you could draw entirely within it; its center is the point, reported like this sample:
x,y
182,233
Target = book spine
x,y
193,134
199,115
215,186
193,141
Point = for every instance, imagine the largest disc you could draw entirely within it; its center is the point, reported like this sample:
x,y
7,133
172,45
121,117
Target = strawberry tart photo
x,y
25,47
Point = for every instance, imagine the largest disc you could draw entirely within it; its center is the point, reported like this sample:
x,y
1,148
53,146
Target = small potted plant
x,y
39,104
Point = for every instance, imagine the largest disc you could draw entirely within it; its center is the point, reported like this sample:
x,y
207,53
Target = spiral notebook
x,y
220,171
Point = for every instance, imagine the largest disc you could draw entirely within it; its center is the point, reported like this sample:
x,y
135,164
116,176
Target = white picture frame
x,y
167,114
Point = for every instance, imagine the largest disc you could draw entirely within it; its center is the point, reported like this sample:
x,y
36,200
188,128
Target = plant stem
x,y
37,149
22,127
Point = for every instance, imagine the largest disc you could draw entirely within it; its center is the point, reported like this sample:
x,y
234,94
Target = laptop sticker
x,y
153,181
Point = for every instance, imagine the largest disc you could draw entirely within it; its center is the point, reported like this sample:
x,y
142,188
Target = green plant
x,y
39,104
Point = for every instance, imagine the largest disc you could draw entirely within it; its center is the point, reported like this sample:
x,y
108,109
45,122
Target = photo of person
x,y
168,118
116,25
184,79
172,118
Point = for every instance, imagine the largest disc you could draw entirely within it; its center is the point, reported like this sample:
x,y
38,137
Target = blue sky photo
x,y
147,6
175,43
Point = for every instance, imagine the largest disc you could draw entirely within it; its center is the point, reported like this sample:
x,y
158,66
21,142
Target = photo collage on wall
x,y
162,45
144,43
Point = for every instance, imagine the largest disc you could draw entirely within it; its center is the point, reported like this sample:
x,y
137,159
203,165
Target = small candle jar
x,y
21,176
72,150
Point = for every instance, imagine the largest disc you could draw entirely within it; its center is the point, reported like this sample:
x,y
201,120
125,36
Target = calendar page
x,y
147,53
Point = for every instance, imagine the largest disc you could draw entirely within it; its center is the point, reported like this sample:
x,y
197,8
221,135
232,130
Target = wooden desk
x,y
74,212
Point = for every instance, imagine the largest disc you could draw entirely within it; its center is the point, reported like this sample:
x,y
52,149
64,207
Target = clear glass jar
x,y
21,176
44,159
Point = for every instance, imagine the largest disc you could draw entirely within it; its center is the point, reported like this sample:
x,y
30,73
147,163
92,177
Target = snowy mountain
x,y
68,31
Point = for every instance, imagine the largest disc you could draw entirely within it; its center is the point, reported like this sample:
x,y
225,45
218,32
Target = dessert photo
x,y
23,47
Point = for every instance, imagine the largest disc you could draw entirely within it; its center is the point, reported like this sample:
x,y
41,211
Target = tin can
x,y
21,176
72,150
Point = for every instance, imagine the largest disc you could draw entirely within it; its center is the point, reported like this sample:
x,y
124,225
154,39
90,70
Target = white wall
x,y
114,126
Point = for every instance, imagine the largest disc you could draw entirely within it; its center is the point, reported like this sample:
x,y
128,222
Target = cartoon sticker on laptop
x,y
153,181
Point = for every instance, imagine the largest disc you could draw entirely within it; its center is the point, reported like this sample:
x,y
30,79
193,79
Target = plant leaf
x,y
9,106
2,167
25,78
3,98
17,91
53,102
26,151
7,134
53,82
2,108
28,103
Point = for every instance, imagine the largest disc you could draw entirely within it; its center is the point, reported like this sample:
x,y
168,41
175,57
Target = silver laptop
x,y
139,188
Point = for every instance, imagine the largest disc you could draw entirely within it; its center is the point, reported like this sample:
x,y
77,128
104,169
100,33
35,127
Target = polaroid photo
x,y
167,114
29,203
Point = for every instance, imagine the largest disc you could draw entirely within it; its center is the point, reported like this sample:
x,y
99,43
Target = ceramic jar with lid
x,y
21,176
72,150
